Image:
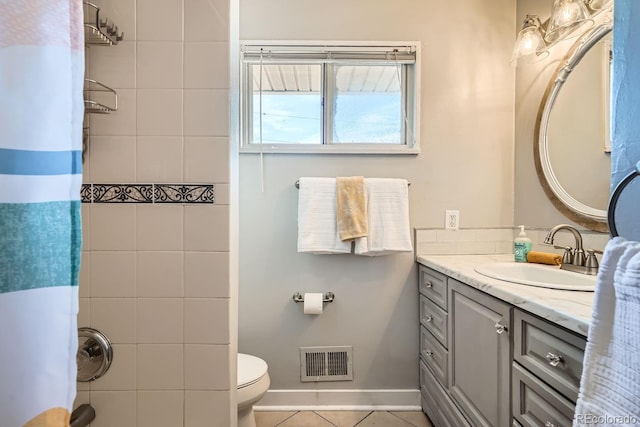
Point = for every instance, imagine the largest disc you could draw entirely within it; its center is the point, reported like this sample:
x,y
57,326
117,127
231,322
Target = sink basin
x,y
545,276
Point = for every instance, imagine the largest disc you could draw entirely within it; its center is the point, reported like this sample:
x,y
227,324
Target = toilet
x,y
253,383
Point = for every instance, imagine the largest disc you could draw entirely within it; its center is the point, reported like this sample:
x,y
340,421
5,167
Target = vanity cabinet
x,y
484,362
480,353
547,366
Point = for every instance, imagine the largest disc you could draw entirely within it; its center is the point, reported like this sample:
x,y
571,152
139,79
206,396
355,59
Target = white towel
x,y
388,212
610,384
317,223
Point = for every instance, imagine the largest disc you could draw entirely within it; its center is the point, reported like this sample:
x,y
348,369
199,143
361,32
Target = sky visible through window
x,y
359,117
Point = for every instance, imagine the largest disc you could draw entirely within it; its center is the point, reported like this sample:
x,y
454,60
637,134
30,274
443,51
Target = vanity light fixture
x,y
530,45
599,4
569,18
566,17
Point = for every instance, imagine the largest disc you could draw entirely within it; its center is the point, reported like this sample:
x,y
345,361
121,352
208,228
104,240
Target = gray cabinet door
x,y
480,355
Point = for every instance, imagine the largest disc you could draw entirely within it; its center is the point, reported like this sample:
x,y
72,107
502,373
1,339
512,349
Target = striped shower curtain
x,y
41,110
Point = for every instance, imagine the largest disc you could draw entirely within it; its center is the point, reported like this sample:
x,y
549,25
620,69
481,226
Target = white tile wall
x,y
205,65
155,278
116,318
160,274
159,22
167,152
195,378
496,240
109,150
464,241
160,367
116,408
122,373
121,122
198,151
160,408
109,282
115,66
206,408
206,20
204,274
159,227
159,65
213,238
159,112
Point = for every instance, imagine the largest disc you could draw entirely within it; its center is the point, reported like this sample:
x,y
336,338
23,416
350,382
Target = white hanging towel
x,y
388,212
317,223
610,385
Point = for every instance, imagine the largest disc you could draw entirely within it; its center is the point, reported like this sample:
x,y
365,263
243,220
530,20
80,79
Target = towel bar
x,y
298,184
328,297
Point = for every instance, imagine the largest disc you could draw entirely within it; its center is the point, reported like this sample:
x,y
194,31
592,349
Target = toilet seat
x,y
251,369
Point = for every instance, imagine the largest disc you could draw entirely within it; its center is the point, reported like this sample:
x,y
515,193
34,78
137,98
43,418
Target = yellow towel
x,y
351,208
544,258
54,417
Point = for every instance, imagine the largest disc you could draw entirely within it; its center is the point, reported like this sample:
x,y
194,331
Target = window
x,y
339,98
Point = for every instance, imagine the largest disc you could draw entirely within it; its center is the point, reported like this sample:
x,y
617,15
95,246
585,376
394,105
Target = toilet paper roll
x,y
313,303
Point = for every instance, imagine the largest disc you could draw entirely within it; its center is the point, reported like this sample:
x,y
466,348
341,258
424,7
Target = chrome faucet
x,y
574,260
577,257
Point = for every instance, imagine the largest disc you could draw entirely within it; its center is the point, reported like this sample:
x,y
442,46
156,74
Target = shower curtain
x,y
41,111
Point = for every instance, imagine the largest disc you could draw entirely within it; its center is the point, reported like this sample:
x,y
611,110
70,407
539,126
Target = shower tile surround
x,y
155,274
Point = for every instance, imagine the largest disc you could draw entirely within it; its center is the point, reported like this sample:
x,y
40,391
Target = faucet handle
x,y
592,261
567,257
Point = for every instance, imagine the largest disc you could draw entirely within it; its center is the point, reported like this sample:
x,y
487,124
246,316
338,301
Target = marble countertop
x,y
570,309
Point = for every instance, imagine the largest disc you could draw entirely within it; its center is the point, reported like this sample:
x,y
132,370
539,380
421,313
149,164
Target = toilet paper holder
x,y
328,297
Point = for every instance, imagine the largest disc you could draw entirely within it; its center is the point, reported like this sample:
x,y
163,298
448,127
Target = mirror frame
x,y
580,213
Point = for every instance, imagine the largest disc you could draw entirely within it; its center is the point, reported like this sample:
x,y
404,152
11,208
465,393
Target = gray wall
x,y
467,93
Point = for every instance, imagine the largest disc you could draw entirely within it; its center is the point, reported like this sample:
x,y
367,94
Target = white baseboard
x,y
340,400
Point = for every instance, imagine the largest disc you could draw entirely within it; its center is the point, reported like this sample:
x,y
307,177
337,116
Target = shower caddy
x,y
94,354
98,97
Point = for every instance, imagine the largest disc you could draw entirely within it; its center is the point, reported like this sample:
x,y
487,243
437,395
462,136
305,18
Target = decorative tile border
x,y
183,193
148,193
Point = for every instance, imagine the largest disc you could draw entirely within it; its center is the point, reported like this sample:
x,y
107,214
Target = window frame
x,y
410,89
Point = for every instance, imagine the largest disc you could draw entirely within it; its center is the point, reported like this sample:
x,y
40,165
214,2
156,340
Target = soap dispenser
x,y
521,246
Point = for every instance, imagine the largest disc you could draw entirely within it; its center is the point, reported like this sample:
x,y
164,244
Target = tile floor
x,y
341,419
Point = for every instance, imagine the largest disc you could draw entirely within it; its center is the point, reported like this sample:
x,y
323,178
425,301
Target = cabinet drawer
x,y
437,404
434,319
428,387
552,353
535,404
433,285
434,355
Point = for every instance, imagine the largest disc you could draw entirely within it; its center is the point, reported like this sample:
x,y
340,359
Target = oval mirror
x,y
571,148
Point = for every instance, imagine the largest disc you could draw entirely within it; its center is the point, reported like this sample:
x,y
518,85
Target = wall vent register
x,y
326,364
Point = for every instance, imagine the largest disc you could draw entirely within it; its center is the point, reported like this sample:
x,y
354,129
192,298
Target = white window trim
x,y
341,148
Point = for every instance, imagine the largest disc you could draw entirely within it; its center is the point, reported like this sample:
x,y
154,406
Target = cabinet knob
x,y
428,285
549,424
428,319
500,328
554,359
428,353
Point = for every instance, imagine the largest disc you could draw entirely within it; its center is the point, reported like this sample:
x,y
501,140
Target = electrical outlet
x,y
451,219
